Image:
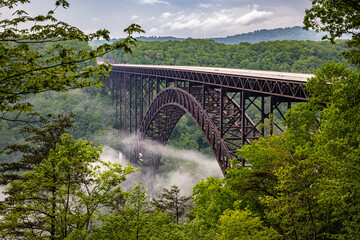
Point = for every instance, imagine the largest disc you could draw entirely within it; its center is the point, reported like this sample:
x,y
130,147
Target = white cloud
x,y
154,31
205,5
95,19
154,1
220,22
253,17
165,15
134,17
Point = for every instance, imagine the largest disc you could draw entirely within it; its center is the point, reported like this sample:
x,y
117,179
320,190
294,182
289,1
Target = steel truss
x,y
151,102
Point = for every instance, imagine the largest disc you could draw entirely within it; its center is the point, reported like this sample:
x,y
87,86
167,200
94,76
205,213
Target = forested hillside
x,y
287,56
265,35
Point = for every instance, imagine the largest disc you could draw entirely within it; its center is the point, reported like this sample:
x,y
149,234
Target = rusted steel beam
x,y
277,87
209,98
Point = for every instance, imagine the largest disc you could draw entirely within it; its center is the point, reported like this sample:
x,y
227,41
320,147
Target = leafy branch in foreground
x,y
337,17
27,68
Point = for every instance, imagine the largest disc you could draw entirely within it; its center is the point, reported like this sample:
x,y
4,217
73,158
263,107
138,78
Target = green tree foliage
x,y
338,143
211,199
60,197
92,110
187,135
240,224
91,107
134,217
287,56
337,17
171,202
38,146
28,70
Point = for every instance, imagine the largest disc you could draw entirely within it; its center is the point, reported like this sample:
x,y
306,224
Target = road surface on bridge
x,y
231,71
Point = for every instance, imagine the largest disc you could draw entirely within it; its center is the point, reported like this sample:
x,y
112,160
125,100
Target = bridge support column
x,y
263,116
271,114
222,109
203,96
116,89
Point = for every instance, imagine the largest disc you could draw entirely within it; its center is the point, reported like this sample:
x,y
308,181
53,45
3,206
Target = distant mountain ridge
x,y
264,35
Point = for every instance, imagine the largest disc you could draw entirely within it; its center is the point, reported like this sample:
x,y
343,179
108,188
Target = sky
x,y
179,18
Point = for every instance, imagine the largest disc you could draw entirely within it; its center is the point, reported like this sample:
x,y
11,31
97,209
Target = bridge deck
x,y
231,71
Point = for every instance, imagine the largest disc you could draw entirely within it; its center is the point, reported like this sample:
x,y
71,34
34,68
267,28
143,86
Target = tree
x,y
39,144
243,224
133,217
211,198
61,196
28,69
170,201
337,17
338,144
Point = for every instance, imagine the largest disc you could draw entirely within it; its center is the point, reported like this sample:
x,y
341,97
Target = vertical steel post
x,y
112,86
116,95
221,112
262,115
157,85
271,114
121,114
125,103
149,90
243,117
141,98
136,101
130,102
204,88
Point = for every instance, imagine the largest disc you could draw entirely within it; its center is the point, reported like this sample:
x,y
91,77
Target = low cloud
x,y
192,168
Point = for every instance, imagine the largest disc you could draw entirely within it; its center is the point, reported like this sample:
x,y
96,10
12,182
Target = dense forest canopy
x,y
286,56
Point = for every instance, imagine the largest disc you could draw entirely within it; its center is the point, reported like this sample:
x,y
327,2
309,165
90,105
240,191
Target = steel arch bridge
x,y
150,100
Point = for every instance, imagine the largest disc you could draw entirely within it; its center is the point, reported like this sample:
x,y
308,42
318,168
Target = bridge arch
x,y
225,95
172,103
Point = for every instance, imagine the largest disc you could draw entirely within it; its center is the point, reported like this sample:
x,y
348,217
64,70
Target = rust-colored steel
x,y
152,100
172,103
257,85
